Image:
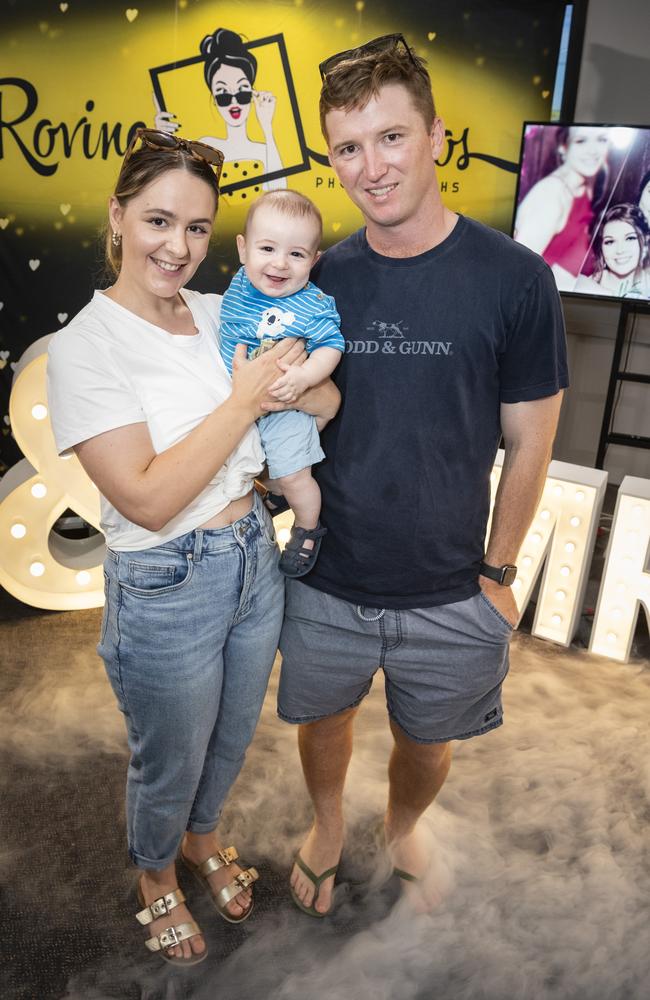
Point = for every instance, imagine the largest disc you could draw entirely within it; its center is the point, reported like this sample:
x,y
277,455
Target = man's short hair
x,y
357,79
289,203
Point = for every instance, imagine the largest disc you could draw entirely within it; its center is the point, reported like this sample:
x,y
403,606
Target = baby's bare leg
x,y
303,493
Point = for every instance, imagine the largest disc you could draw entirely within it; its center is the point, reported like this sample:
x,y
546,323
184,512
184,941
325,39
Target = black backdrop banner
x,y
77,77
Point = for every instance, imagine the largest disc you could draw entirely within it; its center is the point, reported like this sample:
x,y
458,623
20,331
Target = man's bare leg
x,y
325,750
416,773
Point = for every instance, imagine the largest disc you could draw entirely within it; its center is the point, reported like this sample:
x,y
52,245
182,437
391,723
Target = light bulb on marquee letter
x,y
625,586
39,570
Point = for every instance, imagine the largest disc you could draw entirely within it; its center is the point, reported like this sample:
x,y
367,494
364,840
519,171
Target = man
x,y
454,337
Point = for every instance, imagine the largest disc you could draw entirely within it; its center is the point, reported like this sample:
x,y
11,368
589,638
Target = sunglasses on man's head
x,y
155,139
223,99
384,43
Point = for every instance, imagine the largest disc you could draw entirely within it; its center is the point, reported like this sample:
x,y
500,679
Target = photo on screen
x,y
583,204
251,114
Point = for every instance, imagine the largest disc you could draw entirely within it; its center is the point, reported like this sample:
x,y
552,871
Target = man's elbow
x,y
531,425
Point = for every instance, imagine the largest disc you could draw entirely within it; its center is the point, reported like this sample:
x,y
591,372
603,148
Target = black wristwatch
x,y
505,575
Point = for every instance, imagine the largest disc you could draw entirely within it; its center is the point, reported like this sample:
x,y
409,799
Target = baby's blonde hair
x,y
289,203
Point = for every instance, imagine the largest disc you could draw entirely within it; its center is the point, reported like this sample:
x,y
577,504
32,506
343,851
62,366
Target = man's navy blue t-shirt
x,y
434,345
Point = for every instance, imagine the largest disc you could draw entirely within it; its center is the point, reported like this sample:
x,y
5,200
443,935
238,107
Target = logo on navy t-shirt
x,y
391,338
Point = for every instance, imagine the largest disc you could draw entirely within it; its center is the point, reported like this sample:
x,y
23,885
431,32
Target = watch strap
x,y
504,575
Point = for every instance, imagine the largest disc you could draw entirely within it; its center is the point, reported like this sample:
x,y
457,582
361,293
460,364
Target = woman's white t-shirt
x,y
108,368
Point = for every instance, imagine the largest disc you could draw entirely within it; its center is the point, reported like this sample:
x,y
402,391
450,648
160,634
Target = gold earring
x,y
116,239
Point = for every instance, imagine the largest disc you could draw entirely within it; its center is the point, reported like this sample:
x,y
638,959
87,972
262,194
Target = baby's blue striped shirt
x,y
248,315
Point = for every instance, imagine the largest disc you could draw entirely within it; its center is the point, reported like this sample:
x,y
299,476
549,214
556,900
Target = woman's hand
x,y
163,120
264,109
251,380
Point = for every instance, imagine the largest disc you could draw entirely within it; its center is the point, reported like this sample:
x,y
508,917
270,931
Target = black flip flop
x,y
317,881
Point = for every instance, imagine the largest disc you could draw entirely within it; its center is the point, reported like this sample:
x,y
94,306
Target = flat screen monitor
x,y
583,203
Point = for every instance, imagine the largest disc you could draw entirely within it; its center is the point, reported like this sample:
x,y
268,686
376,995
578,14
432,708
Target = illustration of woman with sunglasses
x,y
229,70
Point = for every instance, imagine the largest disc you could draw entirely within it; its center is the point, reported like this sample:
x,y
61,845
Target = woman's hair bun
x,y
225,46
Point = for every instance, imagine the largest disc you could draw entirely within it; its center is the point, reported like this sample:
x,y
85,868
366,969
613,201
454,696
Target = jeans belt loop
x,y
198,545
258,510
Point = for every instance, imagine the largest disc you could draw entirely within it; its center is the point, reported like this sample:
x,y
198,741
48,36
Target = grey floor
x,y
540,837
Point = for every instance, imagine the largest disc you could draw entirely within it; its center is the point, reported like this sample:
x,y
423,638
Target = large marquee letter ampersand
x,y
39,568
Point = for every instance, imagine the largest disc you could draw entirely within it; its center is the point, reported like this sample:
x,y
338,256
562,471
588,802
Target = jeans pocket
x,y
159,576
496,613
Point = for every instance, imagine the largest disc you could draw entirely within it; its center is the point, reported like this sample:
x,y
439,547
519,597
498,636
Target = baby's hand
x,y
289,386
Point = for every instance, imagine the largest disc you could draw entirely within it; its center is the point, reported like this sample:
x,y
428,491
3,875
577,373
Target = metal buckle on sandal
x,y
217,861
246,878
169,938
161,906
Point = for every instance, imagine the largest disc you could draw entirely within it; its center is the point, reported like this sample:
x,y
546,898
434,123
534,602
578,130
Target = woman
x,y
194,598
229,70
621,252
555,216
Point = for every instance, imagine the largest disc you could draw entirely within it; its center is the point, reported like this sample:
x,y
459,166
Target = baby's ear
x,y
317,257
241,247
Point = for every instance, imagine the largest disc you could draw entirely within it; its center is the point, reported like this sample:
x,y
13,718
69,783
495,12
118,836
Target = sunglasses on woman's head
x,y
155,139
384,43
223,98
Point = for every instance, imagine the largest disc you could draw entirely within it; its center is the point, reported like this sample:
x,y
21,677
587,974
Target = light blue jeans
x,y
189,634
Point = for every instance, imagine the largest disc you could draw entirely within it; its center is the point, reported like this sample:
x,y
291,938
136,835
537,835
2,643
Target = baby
x,y
271,297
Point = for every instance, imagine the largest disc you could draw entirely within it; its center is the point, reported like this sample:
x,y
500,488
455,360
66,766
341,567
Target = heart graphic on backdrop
x,y
431,35
13,366
339,22
131,13
6,417
62,317
64,208
63,7
545,94
2,305
336,226
34,264
4,223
